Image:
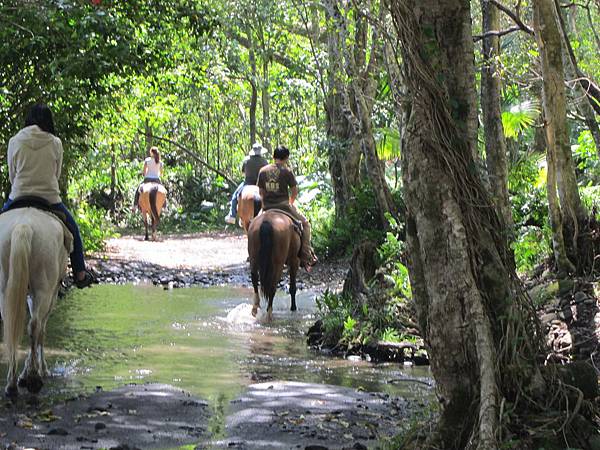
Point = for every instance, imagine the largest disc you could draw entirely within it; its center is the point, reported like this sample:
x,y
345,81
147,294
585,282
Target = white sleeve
x,y
59,158
10,161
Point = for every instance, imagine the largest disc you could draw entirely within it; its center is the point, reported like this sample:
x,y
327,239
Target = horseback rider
x,y
278,190
152,170
251,166
34,159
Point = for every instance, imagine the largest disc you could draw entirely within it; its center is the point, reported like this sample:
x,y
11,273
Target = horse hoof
x,y
146,238
34,384
11,392
293,308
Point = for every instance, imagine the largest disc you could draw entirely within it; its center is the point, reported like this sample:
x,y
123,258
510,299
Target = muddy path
x,y
199,259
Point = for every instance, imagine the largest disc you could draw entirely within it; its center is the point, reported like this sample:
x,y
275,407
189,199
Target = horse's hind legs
x,y
145,226
256,303
293,270
270,309
30,377
35,365
11,391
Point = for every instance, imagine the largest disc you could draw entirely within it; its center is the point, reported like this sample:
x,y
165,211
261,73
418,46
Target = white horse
x,y
33,250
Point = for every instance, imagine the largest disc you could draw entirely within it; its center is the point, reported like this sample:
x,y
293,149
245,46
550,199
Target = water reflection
x,y
111,335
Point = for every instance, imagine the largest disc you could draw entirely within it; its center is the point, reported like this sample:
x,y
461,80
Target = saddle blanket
x,y
297,224
42,205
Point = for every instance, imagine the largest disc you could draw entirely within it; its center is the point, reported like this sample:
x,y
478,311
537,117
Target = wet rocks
x,y
123,271
570,317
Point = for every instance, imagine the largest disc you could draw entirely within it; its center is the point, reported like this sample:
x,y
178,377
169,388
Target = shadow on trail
x,y
134,416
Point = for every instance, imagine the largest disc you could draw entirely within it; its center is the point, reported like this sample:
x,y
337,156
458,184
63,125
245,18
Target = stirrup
x,y
88,280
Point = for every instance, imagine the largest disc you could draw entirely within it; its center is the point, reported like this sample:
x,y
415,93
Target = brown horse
x,y
152,198
249,205
272,243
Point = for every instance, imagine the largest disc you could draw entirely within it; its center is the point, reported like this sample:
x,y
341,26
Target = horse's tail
x,y
265,263
153,195
257,205
15,298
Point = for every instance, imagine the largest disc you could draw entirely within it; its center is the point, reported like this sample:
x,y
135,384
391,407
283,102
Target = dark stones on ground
x,y
273,415
285,414
124,271
131,417
115,271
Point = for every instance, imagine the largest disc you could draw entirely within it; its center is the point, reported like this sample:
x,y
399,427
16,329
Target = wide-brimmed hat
x,y
257,150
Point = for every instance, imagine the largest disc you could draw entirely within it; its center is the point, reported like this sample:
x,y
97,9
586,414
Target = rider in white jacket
x,y
34,164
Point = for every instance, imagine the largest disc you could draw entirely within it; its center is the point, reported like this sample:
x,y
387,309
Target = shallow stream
x,y
200,339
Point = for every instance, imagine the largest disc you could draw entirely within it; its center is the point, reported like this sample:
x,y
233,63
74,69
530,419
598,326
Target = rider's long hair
x,y
155,153
40,115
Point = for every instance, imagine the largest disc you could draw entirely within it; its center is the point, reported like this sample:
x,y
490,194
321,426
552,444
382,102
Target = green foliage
x,y
332,237
93,227
587,159
531,247
383,313
334,309
388,143
520,117
530,212
390,335
391,253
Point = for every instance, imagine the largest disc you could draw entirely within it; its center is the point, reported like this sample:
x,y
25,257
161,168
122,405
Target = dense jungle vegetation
x,y
460,138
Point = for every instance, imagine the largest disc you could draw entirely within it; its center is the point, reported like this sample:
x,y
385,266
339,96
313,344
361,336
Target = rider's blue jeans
x,y
77,259
234,199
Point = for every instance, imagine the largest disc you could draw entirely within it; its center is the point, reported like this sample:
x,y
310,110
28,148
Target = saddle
x,y
31,201
239,196
160,186
298,228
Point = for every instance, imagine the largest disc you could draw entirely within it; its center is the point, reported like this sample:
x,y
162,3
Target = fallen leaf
x,y
24,422
47,416
344,423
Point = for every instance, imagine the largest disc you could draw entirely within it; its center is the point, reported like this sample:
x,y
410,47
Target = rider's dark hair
x,y
155,153
281,152
40,115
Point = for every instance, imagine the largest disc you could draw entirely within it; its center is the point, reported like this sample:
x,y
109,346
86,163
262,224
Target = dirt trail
x,y
200,251
200,259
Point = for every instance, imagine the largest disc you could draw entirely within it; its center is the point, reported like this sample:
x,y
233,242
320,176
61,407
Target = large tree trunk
x,y
459,263
491,89
573,214
358,96
375,169
343,151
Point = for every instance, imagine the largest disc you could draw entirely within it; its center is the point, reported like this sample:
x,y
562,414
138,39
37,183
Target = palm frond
x,y
519,117
388,143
